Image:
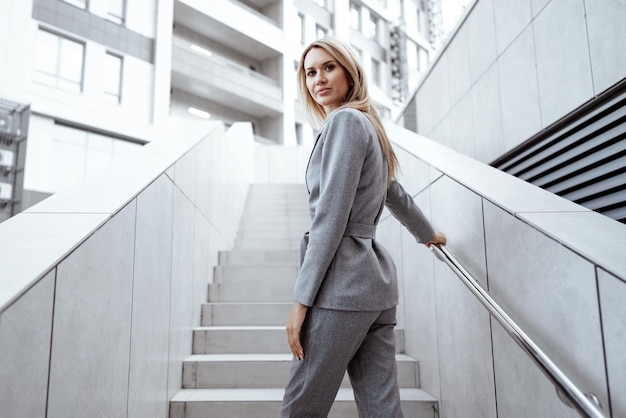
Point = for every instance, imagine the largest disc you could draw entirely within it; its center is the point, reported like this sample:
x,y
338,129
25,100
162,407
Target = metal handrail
x,y
587,404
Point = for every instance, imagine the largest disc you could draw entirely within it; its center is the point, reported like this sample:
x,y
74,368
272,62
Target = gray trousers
x,y
335,341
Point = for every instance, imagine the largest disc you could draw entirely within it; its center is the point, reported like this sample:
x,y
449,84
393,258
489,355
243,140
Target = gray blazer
x,y
342,265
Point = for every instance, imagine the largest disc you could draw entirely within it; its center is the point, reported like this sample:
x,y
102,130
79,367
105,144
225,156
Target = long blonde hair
x,y
357,97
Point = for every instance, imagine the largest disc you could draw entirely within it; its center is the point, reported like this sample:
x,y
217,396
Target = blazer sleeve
x,y
343,154
403,208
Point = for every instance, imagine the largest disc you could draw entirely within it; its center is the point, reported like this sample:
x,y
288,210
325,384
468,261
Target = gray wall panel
x,y
25,330
521,116
482,39
511,18
89,364
612,297
527,269
605,27
523,391
465,363
150,332
420,305
562,58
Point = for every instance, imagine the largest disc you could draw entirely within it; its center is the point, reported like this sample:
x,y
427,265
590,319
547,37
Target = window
x,y
413,64
59,61
300,23
371,31
396,8
72,154
411,16
320,31
298,133
112,77
376,73
421,18
116,11
355,16
78,3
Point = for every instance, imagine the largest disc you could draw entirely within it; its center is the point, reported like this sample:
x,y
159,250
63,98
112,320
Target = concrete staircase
x,y
240,361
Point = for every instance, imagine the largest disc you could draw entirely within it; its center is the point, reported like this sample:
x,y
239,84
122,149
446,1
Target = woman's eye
x,y
329,67
310,73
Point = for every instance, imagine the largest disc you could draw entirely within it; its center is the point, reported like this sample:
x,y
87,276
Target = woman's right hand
x,y
294,326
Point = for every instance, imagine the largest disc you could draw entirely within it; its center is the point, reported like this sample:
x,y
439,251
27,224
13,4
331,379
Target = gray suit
x,y
346,277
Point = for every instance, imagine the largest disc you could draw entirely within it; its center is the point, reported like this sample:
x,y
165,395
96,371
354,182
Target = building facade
x,y
101,76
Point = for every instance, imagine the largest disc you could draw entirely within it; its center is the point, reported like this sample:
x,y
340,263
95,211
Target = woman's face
x,y
326,80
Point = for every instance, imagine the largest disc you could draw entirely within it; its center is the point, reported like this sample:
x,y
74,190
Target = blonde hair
x,y
357,97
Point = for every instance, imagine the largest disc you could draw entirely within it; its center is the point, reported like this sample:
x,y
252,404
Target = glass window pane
x,y
46,52
321,32
58,61
68,85
68,154
115,12
78,3
411,16
371,31
99,153
300,25
376,71
116,8
43,78
71,61
112,74
355,16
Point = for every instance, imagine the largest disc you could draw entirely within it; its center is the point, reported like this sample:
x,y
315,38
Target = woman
x,y
345,297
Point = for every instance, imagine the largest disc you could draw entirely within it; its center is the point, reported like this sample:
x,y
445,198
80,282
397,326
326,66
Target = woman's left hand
x,y
439,239
294,326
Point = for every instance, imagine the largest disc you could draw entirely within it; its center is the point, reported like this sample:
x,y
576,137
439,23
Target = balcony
x,y
219,79
232,24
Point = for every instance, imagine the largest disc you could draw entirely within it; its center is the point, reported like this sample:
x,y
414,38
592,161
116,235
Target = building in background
x,y
101,76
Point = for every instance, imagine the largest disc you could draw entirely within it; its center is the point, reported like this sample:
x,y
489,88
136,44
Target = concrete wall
x,y
101,284
280,164
514,67
555,267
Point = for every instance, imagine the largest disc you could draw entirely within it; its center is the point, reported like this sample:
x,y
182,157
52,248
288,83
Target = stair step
x,y
288,257
264,244
264,371
276,218
235,313
268,233
250,340
277,275
252,291
262,403
241,360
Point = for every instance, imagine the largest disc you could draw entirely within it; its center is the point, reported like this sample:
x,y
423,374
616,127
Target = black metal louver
x,y
582,157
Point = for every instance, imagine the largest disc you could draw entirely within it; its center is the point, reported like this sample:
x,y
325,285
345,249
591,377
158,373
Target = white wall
x,y
280,164
102,284
556,268
58,156
17,37
515,67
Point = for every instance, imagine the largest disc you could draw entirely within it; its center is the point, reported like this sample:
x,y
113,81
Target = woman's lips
x,y
322,91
